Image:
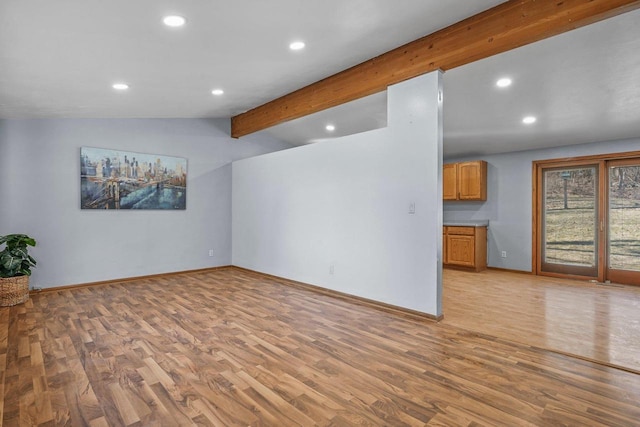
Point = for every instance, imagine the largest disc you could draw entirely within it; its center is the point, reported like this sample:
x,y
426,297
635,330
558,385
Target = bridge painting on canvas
x,y
114,179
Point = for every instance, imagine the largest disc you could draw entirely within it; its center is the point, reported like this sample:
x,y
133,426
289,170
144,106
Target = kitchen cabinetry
x,y
465,247
464,181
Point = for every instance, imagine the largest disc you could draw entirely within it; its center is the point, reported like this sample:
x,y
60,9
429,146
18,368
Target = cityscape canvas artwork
x,y
114,179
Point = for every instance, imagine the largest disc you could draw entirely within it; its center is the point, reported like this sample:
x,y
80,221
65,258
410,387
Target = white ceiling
x,y
59,59
583,86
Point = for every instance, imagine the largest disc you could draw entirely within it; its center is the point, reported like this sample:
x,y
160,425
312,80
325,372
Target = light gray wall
x,y
345,203
41,161
5,181
508,206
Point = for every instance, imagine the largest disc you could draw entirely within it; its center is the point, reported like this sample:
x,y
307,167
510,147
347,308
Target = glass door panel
x,y
569,220
623,243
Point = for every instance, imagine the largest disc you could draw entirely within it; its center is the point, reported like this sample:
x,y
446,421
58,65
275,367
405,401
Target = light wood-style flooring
x,y
594,321
234,348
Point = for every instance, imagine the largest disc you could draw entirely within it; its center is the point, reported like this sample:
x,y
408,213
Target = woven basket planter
x,y
13,290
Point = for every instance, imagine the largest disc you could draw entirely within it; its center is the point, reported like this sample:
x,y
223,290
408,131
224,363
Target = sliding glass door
x,y
588,219
623,243
570,220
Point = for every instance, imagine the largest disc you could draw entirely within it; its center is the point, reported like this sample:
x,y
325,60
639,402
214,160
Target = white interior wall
x,y
40,172
336,214
509,198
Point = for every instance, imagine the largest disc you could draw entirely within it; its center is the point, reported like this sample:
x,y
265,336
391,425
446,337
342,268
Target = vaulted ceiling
x,y
59,60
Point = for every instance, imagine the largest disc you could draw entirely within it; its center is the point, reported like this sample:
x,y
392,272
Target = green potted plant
x,y
15,268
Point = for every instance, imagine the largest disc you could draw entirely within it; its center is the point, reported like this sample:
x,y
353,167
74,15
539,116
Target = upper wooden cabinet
x,y
464,181
450,181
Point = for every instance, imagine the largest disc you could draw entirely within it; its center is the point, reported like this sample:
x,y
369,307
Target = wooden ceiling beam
x,y
507,26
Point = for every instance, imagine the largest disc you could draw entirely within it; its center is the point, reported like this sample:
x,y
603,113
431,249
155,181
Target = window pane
x,y
570,216
624,218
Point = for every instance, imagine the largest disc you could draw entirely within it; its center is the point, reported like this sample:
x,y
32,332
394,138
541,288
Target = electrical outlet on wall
x,y
331,269
503,254
210,252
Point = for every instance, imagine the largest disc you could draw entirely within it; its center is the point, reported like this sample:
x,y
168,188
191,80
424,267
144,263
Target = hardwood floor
x,y
597,322
233,348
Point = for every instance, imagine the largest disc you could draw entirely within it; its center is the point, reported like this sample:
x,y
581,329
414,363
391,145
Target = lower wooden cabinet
x,y
465,247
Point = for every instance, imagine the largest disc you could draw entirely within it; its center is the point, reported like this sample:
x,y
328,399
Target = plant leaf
x,y
11,263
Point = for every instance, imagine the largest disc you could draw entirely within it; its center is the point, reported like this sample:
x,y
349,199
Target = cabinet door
x,y
461,250
449,182
445,259
472,180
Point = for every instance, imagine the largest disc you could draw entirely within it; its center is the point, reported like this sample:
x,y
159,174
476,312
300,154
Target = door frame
x,y
537,188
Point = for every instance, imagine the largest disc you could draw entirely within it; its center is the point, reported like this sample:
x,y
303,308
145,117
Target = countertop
x,y
467,223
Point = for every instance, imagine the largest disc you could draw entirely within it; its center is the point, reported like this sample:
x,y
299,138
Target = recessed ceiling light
x,y
504,82
330,128
174,21
120,86
217,92
529,120
297,45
